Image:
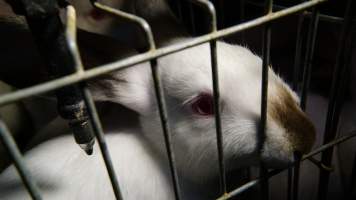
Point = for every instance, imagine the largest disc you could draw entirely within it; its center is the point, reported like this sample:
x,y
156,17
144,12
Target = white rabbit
x,y
186,78
73,175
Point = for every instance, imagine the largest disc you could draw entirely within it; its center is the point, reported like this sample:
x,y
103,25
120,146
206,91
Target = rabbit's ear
x,y
129,87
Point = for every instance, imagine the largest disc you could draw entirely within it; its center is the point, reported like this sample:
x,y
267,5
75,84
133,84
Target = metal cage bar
x,y
15,154
209,8
158,89
93,115
153,54
309,55
308,62
272,173
298,53
48,33
121,64
336,94
266,47
164,122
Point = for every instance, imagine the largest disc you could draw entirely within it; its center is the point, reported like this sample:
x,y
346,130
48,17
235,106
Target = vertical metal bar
x,y
45,24
264,96
209,8
93,115
308,61
309,55
336,94
158,88
298,52
11,147
293,183
215,76
98,130
165,128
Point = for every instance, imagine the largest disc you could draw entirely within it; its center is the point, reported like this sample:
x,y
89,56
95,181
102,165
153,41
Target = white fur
x,y
184,75
64,171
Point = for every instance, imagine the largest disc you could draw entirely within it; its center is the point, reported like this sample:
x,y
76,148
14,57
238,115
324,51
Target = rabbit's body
x,y
186,79
63,171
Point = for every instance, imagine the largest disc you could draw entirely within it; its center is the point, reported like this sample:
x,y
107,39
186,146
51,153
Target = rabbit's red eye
x,y
203,105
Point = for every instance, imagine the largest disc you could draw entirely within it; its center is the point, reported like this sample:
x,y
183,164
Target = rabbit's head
x,y
186,78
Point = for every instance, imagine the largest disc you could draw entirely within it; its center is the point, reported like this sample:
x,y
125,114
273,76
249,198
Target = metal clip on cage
x,y
66,65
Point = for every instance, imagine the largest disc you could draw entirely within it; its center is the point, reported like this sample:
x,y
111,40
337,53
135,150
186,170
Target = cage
x,y
315,37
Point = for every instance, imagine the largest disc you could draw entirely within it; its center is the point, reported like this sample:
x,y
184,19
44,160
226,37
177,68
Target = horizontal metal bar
x,y
11,147
272,173
323,17
121,64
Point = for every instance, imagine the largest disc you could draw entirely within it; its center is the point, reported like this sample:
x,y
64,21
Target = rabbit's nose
x,y
298,128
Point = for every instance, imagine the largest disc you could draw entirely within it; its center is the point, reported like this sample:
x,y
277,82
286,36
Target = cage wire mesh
x,y
208,24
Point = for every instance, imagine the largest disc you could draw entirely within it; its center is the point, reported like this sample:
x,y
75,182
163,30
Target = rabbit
x,y
74,175
187,85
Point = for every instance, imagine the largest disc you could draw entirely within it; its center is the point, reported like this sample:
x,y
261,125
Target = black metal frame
x,y
77,75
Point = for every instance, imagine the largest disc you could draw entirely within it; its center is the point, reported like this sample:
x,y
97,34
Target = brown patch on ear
x,y
286,112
